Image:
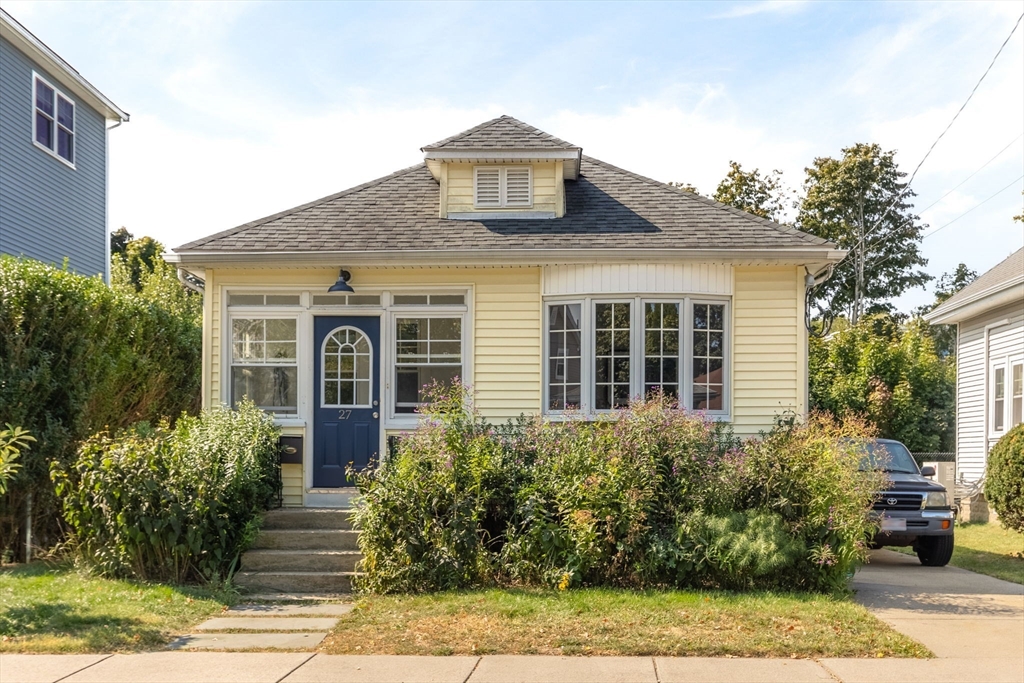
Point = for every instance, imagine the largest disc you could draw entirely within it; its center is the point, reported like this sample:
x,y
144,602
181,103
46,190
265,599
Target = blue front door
x,y
346,397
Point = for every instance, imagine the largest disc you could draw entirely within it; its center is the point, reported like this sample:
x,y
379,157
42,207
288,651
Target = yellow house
x,y
544,279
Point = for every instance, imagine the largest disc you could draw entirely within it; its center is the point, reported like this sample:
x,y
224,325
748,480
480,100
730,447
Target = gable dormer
x,y
502,168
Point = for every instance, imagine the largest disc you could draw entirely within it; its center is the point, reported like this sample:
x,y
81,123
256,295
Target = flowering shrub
x,y
653,496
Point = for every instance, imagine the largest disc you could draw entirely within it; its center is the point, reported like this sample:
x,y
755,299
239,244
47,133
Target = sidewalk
x,y
973,623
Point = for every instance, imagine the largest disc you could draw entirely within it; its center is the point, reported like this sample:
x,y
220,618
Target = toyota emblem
x,y
891,501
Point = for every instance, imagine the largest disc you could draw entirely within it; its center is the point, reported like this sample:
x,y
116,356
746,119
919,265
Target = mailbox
x,y
290,448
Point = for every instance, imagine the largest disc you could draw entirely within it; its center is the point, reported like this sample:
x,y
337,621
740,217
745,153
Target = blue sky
x,y
244,109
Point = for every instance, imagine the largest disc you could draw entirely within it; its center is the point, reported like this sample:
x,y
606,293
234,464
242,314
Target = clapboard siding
x,y
768,332
48,210
1005,344
460,188
638,278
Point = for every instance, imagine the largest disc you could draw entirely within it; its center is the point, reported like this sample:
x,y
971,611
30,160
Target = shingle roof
x,y
606,208
503,132
1008,270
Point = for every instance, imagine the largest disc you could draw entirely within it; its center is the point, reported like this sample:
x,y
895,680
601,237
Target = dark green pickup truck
x,y
912,510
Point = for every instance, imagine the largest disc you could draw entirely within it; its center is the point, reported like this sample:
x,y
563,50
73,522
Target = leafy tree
x,y
139,269
761,195
889,373
861,203
119,240
948,285
685,187
139,257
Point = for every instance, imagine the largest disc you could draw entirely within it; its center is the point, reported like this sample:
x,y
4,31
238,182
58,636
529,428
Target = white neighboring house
x,y
989,315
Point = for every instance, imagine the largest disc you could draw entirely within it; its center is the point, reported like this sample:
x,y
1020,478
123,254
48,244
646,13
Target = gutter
x,y
183,278
999,295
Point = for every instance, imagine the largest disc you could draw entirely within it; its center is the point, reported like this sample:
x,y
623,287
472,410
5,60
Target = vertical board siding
x,y
49,211
460,188
638,278
766,331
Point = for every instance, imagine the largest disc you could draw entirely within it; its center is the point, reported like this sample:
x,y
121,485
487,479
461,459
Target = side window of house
x,y
427,350
1018,394
708,356
54,121
565,356
999,398
264,363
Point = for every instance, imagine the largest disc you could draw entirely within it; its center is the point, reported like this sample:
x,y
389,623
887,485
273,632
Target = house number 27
x,y
344,414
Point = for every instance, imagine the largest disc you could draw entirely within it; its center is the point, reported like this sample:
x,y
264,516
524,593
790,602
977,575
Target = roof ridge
x,y
510,120
788,229
980,285
295,209
474,129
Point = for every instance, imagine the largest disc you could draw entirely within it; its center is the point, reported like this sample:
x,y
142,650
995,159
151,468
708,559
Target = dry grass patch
x,y
615,622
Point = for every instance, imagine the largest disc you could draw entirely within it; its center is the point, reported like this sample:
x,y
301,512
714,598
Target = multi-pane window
x,y
1017,395
264,365
565,356
426,350
661,349
496,187
999,395
54,121
347,358
708,356
612,355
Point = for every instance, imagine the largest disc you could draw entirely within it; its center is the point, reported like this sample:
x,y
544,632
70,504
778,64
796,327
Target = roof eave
x,y
22,38
572,155
958,310
794,256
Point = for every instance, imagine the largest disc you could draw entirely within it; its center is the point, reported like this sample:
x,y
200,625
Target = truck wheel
x,y
935,551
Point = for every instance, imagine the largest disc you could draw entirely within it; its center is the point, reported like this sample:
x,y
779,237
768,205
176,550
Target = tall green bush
x,y
1004,479
171,504
77,357
654,496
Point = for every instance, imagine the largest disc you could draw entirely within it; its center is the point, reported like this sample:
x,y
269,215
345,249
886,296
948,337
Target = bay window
x,y
603,352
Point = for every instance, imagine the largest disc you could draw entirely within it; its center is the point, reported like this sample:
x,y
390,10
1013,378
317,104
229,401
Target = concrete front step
x,y
307,539
300,560
338,519
295,582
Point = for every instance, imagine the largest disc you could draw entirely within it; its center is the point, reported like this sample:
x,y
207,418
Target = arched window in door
x,y
346,377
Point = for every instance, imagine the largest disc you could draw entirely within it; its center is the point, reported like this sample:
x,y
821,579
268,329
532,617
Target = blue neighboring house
x,y
54,164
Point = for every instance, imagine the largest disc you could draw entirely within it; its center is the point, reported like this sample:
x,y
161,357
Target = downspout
x,y
188,284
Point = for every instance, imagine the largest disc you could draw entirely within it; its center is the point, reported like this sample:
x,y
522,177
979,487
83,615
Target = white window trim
x,y
503,187
323,377
990,428
262,313
1013,365
57,92
420,311
588,366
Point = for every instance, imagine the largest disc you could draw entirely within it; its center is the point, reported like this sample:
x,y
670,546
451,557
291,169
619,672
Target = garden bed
x,y
617,622
46,608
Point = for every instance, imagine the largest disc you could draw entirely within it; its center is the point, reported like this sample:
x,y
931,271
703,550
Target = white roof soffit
x,y
493,156
796,257
1003,294
57,68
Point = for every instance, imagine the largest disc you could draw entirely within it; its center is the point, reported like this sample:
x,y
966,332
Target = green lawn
x,y
617,622
988,549
45,608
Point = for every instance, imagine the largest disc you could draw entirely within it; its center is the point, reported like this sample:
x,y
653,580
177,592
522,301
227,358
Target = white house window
x,y
427,349
565,355
708,356
500,187
347,359
264,363
54,122
634,348
999,396
1018,395
612,376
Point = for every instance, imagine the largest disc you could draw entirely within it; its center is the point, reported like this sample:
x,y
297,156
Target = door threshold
x,y
343,489
330,498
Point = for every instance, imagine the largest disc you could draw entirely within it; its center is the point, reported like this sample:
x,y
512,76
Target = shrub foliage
x,y
656,496
77,357
1004,479
171,504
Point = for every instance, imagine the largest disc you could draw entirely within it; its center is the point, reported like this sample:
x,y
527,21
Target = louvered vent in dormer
x,y
496,187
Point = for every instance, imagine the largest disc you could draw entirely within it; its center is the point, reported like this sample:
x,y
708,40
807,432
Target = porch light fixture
x,y
342,284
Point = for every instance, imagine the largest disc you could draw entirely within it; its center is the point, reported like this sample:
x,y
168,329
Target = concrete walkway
x,y
974,624
260,626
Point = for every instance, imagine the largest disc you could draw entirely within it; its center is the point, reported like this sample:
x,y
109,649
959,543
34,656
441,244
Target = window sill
x,y
289,422
54,155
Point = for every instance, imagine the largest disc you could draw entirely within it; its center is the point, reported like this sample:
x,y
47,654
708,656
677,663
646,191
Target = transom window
x,y
427,349
636,347
264,363
497,187
347,359
54,120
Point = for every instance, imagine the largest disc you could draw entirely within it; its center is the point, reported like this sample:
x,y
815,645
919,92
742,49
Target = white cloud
x,y
766,7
